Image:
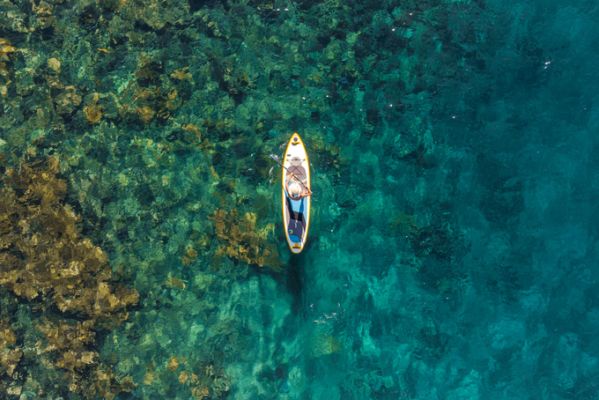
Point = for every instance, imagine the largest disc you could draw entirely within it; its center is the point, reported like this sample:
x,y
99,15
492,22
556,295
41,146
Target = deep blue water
x,y
496,297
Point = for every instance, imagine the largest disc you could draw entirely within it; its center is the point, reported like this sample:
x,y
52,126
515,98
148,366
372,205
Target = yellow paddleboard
x,y
296,210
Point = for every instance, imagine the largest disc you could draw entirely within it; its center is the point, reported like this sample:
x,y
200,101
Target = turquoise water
x,y
452,251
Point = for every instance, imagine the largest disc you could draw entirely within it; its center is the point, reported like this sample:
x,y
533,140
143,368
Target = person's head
x,y
295,190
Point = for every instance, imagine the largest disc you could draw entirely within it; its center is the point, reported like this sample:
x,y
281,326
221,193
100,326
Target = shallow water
x,y
453,249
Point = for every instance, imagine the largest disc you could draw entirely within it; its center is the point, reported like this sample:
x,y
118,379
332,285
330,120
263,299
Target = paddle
x,y
275,158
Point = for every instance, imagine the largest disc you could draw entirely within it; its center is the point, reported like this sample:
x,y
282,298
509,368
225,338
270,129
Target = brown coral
x,y
5,49
68,100
146,114
42,253
44,259
190,255
68,347
54,64
181,74
70,342
173,363
241,239
93,113
211,382
10,355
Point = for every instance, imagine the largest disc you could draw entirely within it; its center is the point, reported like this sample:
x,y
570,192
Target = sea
x,y
453,248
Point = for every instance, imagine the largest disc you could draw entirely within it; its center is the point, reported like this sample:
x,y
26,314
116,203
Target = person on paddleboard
x,y
296,189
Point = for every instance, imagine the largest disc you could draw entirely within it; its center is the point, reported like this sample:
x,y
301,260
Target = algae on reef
x,y
45,260
10,355
241,240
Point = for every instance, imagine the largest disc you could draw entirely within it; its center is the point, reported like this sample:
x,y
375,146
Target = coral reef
x,y
43,254
242,240
6,49
45,260
163,114
10,354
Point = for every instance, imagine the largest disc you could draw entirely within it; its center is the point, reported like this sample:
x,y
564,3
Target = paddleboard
x,y
296,213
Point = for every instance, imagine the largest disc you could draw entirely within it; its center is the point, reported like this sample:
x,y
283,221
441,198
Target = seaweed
x,y
10,353
242,240
47,262
6,49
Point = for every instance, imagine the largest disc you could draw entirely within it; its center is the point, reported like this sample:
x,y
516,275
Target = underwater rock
x,y
24,82
5,49
12,19
145,113
67,101
54,64
43,16
92,110
181,74
324,345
